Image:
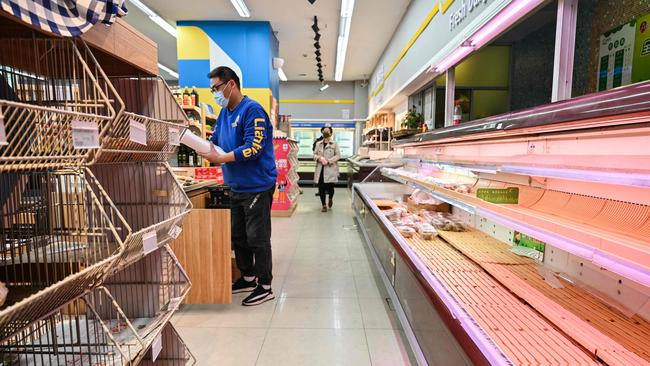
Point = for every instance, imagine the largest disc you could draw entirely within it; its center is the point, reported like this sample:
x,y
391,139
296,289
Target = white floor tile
x,y
377,314
325,285
387,348
230,315
368,287
334,313
224,346
314,347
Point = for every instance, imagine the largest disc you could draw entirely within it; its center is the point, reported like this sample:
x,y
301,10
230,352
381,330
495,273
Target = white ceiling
x,y
373,24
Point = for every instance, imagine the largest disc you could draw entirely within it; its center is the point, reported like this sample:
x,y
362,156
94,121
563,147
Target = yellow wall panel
x,y
192,44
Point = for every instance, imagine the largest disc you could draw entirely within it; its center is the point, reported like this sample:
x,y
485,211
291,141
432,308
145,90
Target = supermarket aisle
x,y
329,309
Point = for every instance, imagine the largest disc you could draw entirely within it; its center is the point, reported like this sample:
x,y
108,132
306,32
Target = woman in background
x,y
327,155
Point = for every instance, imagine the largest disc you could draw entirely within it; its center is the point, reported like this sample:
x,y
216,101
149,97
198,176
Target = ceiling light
x,y
166,69
325,86
241,8
347,7
282,75
162,23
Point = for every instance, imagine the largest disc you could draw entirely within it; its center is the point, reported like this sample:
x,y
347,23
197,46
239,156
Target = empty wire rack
x,y
59,236
169,351
151,200
54,103
76,334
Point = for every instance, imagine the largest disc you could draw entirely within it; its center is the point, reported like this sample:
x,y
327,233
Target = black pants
x,y
250,215
324,188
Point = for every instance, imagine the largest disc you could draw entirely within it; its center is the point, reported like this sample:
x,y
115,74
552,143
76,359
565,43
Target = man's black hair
x,y
225,74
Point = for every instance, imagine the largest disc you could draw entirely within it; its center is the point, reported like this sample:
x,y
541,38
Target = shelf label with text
x,y
137,132
174,136
149,241
175,231
499,195
85,135
3,133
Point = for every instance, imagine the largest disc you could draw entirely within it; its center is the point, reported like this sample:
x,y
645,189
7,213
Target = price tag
x,y
174,303
3,133
149,242
85,135
156,347
138,132
175,231
174,136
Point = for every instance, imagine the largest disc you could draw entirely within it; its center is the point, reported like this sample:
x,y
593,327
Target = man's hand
x,y
214,157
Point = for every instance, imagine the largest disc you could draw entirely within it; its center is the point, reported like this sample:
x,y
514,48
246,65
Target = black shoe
x,y
330,203
259,296
241,285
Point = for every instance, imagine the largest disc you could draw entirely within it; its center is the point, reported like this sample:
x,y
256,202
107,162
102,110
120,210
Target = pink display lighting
x,y
502,21
499,23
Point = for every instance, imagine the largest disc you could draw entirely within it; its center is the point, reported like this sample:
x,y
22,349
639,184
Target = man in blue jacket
x,y
245,134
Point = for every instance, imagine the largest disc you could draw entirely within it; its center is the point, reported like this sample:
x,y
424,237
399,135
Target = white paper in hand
x,y
199,145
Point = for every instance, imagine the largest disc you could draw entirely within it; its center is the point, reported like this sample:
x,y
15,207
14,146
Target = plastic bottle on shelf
x,y
187,99
458,114
195,97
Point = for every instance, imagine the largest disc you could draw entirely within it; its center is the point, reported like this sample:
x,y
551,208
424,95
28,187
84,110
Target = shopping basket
x,y
148,291
168,350
60,235
54,103
149,128
150,199
76,334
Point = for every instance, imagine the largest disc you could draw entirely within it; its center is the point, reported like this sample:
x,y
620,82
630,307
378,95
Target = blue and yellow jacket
x,y
248,132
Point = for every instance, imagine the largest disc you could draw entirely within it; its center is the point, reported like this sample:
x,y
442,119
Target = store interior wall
x,y
304,100
404,63
532,68
606,15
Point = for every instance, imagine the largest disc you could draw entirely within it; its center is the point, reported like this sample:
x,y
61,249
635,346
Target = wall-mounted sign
x,y
466,7
615,56
641,61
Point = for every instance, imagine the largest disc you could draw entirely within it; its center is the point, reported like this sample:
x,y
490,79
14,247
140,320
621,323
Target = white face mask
x,y
220,98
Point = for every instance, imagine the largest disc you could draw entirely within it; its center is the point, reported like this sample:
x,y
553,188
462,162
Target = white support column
x,y
565,43
450,95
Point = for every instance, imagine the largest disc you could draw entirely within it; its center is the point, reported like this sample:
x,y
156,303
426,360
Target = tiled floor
x,y
330,308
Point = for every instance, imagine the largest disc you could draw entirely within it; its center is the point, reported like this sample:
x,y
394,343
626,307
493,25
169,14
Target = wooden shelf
x,y
191,108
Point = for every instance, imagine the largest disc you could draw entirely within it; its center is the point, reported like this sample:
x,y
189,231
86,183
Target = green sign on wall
x,y
641,62
499,195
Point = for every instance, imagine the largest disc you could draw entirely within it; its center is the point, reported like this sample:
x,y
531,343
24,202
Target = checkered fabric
x,y
68,18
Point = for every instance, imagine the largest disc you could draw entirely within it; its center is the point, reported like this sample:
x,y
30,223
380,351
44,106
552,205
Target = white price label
x,y
85,135
156,347
175,231
149,242
3,133
138,132
174,136
174,303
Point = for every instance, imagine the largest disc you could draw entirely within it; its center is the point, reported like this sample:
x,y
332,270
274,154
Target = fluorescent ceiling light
x,y
282,75
241,8
168,70
325,86
347,7
155,17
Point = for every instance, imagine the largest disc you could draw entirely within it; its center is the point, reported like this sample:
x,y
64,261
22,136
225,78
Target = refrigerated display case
x,y
543,257
306,133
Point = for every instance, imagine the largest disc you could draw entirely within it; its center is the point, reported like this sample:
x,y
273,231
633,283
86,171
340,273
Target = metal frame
x,y
565,44
47,84
60,236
